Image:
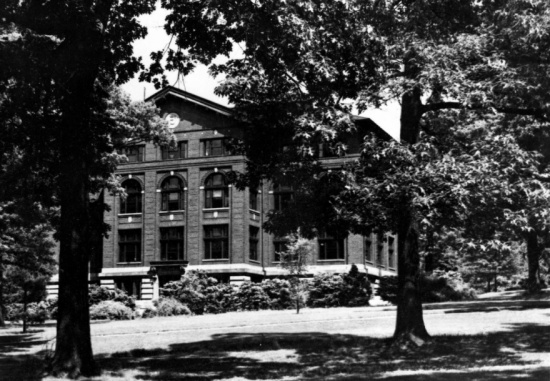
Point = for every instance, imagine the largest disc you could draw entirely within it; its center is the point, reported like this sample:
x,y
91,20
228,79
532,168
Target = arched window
x,y
216,192
282,195
132,202
172,194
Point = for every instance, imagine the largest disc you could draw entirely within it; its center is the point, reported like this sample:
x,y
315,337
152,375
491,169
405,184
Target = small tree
x,y
294,260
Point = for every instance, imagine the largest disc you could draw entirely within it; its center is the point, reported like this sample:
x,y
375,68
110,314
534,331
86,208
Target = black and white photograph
x,y
238,190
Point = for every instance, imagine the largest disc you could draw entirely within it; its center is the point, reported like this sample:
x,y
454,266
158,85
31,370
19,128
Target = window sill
x,y
129,214
128,263
215,209
330,260
254,261
216,260
172,211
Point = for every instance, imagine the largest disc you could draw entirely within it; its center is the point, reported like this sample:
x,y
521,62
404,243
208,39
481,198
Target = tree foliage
x,y
469,76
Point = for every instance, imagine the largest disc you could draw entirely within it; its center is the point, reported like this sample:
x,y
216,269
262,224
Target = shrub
x,y
36,313
348,290
111,310
220,298
278,292
324,290
52,307
171,307
444,286
98,294
356,290
387,289
438,287
149,313
251,296
198,291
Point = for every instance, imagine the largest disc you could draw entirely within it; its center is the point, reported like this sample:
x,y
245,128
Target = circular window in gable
x,y
173,120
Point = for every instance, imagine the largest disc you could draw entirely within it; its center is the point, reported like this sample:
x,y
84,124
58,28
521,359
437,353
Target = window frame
x,y
253,242
391,252
167,239
280,245
209,150
324,240
253,195
380,250
139,155
368,248
209,192
166,191
212,239
134,198
283,195
125,244
180,150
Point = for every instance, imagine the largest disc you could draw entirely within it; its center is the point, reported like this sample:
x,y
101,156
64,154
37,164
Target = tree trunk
x,y
2,307
410,321
25,303
533,256
81,55
73,352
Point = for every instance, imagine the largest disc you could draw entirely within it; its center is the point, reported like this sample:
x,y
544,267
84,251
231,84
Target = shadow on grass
x,y
14,363
320,356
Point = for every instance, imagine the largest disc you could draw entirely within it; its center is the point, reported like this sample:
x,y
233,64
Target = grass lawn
x,y
505,343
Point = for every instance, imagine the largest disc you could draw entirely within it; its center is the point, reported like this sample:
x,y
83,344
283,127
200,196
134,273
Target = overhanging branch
x,y
539,113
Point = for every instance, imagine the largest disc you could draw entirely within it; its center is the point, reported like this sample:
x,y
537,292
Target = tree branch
x,y
540,113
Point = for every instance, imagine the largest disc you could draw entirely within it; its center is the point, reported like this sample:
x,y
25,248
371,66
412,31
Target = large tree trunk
x,y
82,56
410,322
2,307
533,256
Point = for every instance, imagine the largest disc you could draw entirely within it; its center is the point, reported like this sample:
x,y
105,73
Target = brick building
x,y
180,211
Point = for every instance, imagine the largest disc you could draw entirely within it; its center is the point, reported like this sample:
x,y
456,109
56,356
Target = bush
x,y
220,299
199,292
324,290
149,313
435,288
387,289
52,307
251,297
348,290
171,307
111,310
98,294
36,313
278,292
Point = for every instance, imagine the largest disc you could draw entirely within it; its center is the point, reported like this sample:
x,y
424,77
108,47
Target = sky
x,y
200,83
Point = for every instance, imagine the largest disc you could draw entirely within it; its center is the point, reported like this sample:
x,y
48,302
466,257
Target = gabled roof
x,y
199,101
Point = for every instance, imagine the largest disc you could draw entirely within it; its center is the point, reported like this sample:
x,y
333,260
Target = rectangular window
x,y
132,285
368,248
330,248
171,243
129,242
173,153
279,247
216,242
134,153
391,252
380,250
253,201
325,150
253,242
214,147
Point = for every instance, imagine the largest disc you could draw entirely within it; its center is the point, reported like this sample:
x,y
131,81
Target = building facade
x,y
181,213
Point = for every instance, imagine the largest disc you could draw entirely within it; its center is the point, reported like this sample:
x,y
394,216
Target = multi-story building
x,y
181,212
